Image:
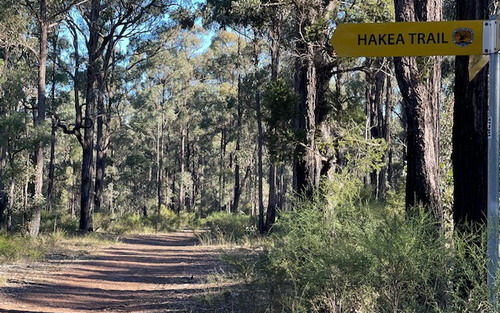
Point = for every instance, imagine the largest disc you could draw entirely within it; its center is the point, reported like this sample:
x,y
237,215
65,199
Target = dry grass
x,y
15,249
19,254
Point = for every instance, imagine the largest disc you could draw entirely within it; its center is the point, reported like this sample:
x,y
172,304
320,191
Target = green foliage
x,y
235,13
367,258
280,101
53,222
16,248
226,227
183,17
13,248
167,220
370,11
131,222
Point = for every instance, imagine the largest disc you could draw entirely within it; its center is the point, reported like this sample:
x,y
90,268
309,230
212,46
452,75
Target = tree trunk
x,y
159,170
187,164
182,161
173,192
50,182
260,171
222,179
237,187
255,188
86,196
51,177
103,122
195,175
272,203
306,168
282,186
421,102
376,121
74,191
312,76
260,138
101,144
78,118
10,205
33,217
4,199
100,168
470,140
384,177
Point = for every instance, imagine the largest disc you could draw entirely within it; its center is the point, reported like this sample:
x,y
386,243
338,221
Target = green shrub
x,y
468,290
56,221
227,227
371,259
14,248
102,221
131,222
167,220
361,257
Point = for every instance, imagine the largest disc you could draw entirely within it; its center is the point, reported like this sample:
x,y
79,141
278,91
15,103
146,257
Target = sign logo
x,y
463,36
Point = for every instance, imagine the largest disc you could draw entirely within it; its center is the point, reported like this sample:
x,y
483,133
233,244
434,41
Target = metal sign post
x,y
493,158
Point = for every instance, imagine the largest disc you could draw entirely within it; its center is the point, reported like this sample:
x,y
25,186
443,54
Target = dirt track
x,y
157,273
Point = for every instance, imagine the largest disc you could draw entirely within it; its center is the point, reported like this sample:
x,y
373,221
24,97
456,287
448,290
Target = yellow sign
x,y
476,64
409,39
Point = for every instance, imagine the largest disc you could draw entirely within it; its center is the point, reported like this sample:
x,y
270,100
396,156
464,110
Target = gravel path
x,y
147,273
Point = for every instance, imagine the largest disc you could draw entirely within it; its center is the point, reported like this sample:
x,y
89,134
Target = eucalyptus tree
x,y
379,109
313,70
171,78
420,85
47,15
103,25
33,219
277,17
17,86
225,64
470,129
16,139
255,20
379,102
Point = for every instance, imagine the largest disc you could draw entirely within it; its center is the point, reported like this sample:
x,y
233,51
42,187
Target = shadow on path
x,y
160,273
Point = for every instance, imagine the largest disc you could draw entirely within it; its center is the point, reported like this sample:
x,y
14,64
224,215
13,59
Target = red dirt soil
x,y
146,273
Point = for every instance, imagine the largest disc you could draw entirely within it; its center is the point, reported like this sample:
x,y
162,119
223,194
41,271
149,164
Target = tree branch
x,y
66,9
353,69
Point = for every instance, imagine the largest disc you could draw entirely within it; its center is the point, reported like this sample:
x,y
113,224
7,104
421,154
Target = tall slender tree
x,y
46,19
107,24
420,85
275,32
33,218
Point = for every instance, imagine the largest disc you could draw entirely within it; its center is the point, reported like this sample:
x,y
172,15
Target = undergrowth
x,y
355,256
166,220
59,244
223,228
14,248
